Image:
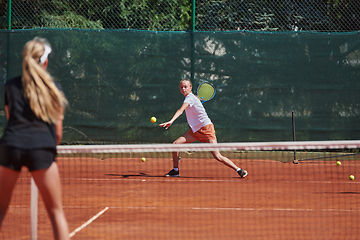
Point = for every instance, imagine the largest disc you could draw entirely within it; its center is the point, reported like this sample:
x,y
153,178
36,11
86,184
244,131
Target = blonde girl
x,y
34,106
201,129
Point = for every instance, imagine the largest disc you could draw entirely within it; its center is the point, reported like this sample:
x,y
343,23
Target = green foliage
x,y
169,15
68,20
278,15
157,15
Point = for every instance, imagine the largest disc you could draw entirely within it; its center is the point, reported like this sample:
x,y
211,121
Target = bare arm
x,y
178,113
7,112
59,126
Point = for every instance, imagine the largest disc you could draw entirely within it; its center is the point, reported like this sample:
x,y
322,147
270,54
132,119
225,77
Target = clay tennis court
x,y
124,198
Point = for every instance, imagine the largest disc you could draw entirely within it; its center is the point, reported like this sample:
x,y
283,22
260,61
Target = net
x,y
110,193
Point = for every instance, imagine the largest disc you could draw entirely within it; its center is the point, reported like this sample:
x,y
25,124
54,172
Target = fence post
x,y
294,138
8,40
192,40
9,14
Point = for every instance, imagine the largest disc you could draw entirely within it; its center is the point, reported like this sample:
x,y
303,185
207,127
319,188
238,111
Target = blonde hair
x,y
186,80
39,89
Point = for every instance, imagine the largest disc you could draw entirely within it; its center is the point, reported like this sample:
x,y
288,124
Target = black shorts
x,y
34,159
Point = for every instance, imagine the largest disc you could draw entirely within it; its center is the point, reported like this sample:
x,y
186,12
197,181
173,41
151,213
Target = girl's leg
x,y
224,160
48,182
8,179
185,138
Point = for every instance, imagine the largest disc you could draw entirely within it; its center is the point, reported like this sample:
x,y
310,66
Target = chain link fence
x,y
165,15
278,15
170,15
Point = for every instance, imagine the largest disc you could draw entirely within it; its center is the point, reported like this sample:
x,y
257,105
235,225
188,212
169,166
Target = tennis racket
x,y
206,91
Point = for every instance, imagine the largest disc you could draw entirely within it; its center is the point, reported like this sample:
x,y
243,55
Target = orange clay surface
x,y
128,199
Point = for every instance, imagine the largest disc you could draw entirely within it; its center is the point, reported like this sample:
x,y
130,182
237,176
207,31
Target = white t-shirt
x,y
195,113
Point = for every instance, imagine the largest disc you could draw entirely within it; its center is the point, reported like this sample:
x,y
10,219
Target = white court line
x,y
88,222
214,209
140,178
190,179
235,179
244,209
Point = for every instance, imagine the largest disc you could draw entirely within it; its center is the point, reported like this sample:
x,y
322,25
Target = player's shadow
x,y
157,176
132,175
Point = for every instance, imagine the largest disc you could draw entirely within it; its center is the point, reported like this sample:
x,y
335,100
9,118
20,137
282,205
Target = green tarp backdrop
x,y
116,81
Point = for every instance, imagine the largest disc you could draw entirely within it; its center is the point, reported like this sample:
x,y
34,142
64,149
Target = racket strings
x,y
206,91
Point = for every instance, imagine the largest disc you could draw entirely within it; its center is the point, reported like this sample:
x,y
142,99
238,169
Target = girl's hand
x,y
166,125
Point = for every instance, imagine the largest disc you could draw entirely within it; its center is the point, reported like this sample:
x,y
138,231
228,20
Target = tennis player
x,y
201,126
34,107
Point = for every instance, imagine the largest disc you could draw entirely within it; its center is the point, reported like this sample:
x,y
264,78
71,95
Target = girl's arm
x,y
59,126
7,112
178,113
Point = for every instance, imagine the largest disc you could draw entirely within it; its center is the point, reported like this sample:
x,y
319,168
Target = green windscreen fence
x,y
116,81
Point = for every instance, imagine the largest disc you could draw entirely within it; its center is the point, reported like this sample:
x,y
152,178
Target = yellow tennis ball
x,y
351,177
338,163
153,119
143,159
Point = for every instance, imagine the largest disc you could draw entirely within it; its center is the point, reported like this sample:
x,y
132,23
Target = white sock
x,y
176,169
238,169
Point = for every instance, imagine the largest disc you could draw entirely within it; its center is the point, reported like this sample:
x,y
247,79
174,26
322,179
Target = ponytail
x,y
39,89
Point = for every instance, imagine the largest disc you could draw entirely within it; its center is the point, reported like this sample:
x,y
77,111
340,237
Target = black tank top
x,y
24,130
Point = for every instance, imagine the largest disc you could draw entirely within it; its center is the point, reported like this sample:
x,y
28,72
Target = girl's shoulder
x,y
12,84
192,99
12,81
191,95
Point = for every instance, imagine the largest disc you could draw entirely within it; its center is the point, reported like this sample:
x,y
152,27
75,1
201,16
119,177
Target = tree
x,y
157,15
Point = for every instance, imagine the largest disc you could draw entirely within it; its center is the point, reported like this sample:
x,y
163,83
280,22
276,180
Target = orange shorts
x,y
204,134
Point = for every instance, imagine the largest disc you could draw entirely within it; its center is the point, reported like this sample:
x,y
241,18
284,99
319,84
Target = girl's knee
x,y
217,156
55,212
179,141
